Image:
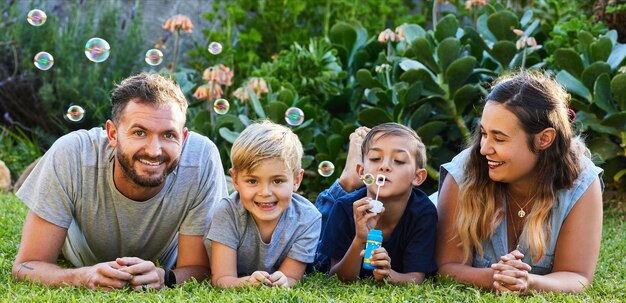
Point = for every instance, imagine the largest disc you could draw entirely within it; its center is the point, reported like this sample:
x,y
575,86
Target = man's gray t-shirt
x,y
73,185
295,235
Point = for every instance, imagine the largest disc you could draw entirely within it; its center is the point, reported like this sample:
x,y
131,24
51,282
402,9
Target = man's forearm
x,y
46,273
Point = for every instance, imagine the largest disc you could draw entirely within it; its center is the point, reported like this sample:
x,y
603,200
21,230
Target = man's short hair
x,y
395,129
146,88
266,140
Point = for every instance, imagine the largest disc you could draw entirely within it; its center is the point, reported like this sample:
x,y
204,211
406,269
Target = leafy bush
x,y
73,79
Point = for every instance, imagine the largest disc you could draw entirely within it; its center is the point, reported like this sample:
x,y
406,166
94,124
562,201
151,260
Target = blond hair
x,y
266,140
538,102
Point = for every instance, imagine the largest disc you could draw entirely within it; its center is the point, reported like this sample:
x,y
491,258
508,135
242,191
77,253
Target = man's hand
x,y
145,274
105,276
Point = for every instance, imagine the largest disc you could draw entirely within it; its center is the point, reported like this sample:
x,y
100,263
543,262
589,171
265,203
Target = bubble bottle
x,y
374,241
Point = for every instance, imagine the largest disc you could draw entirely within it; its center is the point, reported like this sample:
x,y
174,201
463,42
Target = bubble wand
x,y
368,179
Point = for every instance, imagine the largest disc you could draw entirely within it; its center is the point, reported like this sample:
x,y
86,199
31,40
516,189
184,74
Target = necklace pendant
x,y
521,213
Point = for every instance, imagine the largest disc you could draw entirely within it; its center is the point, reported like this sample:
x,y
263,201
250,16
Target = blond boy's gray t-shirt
x,y
295,236
73,185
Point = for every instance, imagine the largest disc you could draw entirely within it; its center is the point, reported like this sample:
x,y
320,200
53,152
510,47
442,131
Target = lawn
x,y
609,284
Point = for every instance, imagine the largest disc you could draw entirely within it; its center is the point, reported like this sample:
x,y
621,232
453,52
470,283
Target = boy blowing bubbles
x,y
408,220
264,233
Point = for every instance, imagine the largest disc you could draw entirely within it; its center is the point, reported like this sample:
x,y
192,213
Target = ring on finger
x,y
144,287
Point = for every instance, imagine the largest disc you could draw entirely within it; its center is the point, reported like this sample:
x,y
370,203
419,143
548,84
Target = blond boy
x,y
264,233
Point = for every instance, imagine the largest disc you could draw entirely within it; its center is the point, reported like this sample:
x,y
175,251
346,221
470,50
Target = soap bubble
x,y
294,116
326,168
43,61
368,179
221,106
97,49
36,17
215,48
154,57
74,113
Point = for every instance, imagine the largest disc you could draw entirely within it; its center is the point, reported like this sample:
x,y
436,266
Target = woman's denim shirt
x,y
496,246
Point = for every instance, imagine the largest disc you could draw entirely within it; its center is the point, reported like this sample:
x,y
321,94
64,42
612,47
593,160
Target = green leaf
x,y
619,175
617,56
412,32
307,160
320,144
584,42
364,77
569,60
602,94
483,29
600,50
228,135
591,73
424,54
446,27
603,147
618,87
371,117
504,51
229,120
502,23
351,37
475,37
428,83
420,116
468,94
528,14
276,111
408,64
458,72
414,93
202,121
286,96
256,105
617,120
429,130
335,142
448,51
572,85
589,121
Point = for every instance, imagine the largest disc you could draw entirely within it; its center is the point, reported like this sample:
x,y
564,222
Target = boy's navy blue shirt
x,y
411,245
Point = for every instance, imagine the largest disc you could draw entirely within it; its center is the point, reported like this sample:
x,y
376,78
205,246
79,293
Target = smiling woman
x,y
521,208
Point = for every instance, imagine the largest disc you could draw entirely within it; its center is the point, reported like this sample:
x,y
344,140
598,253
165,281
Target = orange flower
x,y
470,3
178,22
219,73
201,93
400,32
518,32
211,91
256,85
386,35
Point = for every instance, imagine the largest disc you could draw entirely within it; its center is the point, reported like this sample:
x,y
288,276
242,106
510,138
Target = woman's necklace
x,y
521,213
516,236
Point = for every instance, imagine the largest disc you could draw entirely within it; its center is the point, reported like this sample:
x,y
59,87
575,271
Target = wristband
x,y
169,278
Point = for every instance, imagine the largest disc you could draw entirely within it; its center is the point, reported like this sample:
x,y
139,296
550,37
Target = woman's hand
x,y
511,273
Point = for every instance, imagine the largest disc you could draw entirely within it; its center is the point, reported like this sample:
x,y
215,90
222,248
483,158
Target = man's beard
x,y
150,181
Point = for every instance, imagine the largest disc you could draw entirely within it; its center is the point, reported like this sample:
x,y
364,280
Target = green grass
x,y
609,284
